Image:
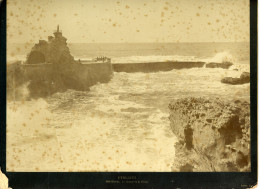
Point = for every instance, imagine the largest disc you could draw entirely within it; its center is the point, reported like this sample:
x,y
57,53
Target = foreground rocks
x,y
244,78
224,65
213,135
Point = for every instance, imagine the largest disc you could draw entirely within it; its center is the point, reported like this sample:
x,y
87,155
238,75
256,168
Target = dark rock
x,y
224,65
242,160
155,66
55,50
244,78
217,141
50,68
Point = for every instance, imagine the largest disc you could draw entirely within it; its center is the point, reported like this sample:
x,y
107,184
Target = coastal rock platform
x,y
244,78
154,66
224,65
214,135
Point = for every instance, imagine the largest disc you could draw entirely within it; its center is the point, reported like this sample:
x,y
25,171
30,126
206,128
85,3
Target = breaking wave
x,y
222,57
217,58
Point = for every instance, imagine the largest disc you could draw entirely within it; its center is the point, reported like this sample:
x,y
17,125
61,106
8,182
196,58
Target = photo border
x,y
150,179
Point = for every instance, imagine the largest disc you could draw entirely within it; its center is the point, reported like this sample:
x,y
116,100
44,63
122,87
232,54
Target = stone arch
x,y
36,57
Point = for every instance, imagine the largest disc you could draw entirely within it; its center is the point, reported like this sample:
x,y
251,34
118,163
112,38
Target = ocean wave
x,y
221,57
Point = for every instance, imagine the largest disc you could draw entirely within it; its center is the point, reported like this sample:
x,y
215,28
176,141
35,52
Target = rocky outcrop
x,y
213,135
224,65
50,68
55,50
244,78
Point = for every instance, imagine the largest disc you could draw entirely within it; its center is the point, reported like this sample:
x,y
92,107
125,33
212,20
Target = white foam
x,y
221,57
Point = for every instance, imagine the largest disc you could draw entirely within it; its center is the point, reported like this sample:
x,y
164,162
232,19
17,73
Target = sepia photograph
x,y
128,86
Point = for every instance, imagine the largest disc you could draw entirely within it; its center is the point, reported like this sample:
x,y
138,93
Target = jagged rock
x,y
224,65
59,73
50,68
55,50
214,135
244,78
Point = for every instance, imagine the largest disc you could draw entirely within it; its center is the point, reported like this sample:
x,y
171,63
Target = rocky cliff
x,y
214,135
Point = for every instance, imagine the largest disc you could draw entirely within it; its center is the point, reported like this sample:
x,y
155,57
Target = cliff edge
x,y
214,135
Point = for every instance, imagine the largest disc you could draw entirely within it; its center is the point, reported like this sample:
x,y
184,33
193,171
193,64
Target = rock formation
x,y
213,135
50,68
224,65
55,50
244,78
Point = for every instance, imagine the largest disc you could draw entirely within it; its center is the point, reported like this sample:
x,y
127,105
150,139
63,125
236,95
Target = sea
x,y
122,125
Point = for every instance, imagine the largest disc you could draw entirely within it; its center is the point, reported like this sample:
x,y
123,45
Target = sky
x,y
129,21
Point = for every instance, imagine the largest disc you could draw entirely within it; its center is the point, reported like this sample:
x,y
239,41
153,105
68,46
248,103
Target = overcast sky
x,y
104,21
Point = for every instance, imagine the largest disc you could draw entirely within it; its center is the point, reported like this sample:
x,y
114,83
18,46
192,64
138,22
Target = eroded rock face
x,y
224,65
213,135
244,78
